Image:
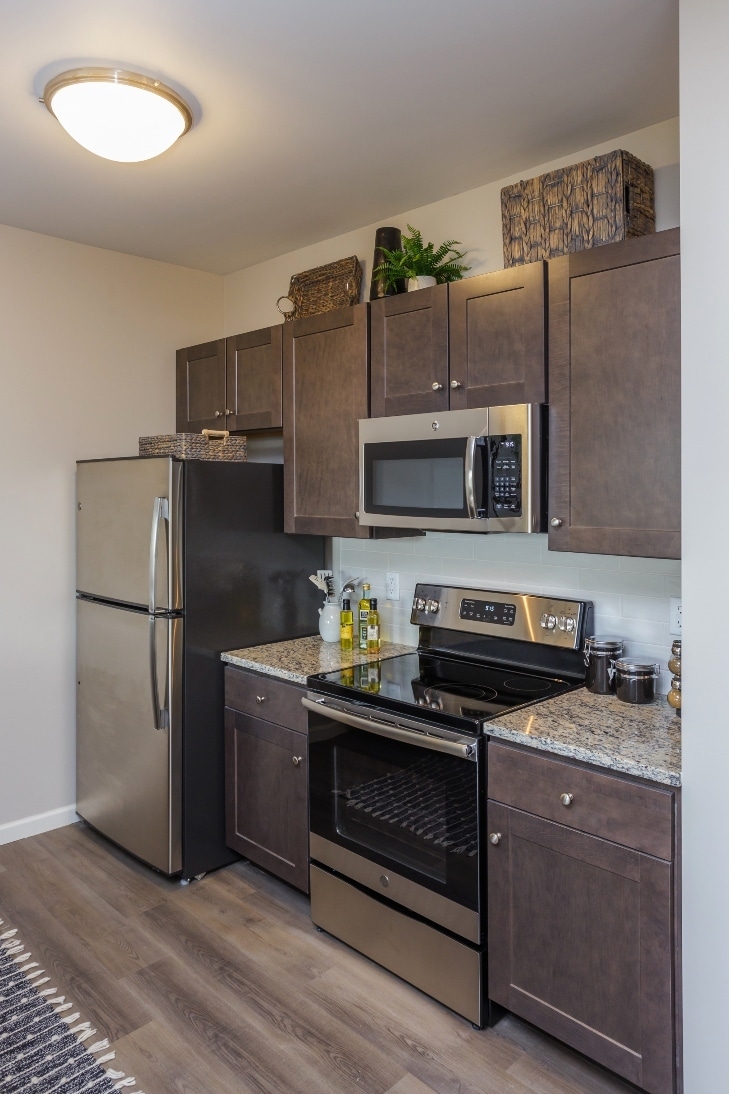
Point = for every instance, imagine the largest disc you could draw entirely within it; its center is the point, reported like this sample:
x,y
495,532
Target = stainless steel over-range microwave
x,y
480,470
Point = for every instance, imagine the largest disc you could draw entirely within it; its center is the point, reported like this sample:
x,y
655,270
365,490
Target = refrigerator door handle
x,y
161,715
160,511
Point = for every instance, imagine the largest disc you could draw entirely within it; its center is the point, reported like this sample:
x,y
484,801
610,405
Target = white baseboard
x,y
41,822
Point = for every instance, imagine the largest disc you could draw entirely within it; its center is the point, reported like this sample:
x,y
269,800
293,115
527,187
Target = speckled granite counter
x,y
301,657
643,740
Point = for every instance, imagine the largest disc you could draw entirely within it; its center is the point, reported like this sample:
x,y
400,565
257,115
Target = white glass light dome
x,y
116,114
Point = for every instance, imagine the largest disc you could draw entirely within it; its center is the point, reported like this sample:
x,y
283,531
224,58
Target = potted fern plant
x,y
421,264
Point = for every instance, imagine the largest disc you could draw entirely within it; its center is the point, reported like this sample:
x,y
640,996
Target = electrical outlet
x,y
675,615
392,587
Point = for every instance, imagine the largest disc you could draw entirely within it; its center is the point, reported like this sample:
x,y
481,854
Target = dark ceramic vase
x,y
390,238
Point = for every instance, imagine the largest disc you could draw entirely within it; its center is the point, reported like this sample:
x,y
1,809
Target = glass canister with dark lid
x,y
636,680
599,653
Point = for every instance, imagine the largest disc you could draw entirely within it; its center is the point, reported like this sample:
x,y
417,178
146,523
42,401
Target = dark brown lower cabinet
x,y
582,941
267,817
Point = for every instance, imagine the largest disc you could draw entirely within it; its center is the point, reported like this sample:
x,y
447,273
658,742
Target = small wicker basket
x,y
336,285
211,444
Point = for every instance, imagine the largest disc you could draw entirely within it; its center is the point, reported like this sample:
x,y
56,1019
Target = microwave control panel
x,y
505,475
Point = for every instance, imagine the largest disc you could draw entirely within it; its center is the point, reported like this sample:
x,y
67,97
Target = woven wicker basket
x,y
601,200
211,444
336,285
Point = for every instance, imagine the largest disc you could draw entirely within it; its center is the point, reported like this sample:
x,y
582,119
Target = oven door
x,y
396,809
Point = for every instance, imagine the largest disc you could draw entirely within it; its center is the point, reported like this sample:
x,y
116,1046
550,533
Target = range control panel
x,y
525,616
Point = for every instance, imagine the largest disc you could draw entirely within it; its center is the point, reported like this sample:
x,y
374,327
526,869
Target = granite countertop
x,y
637,739
642,739
302,657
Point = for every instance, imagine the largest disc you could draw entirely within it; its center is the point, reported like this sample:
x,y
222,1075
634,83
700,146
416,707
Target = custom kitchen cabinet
x,y
581,935
267,816
476,342
614,343
232,383
326,374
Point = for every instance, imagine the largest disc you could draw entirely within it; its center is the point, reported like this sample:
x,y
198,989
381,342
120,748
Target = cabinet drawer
x,y
266,697
608,806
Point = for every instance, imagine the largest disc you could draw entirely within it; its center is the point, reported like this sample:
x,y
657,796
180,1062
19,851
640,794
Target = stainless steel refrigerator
x,y
176,562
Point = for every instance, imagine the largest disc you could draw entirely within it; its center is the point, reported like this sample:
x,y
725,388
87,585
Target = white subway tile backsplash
x,y
630,596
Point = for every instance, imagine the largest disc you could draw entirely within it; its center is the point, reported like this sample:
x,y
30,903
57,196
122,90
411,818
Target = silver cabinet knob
x,y
566,799
436,386
556,522
227,412
384,880
260,699
456,383
495,837
296,760
219,413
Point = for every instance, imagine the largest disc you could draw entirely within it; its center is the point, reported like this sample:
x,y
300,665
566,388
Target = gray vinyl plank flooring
x,y
225,987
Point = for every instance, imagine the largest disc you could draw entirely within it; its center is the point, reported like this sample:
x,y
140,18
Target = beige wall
x,y
473,217
86,366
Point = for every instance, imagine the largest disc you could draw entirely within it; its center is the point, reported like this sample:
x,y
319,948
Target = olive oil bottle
x,y
363,608
346,627
373,630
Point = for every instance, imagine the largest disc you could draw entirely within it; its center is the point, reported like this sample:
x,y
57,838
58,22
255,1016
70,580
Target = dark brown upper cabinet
x,y
326,378
477,342
232,383
615,399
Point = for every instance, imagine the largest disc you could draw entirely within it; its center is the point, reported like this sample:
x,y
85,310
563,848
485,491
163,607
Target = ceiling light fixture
x,y
116,114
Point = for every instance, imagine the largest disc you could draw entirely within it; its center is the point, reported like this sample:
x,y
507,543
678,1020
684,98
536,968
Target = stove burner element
x,y
464,691
529,686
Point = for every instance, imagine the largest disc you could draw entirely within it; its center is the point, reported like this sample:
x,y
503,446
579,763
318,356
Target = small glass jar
x,y
599,653
636,681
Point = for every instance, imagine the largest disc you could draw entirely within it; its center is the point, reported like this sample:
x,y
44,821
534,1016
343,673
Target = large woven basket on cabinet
x,y
601,200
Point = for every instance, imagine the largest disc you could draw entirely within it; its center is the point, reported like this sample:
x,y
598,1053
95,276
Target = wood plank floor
x,y
225,987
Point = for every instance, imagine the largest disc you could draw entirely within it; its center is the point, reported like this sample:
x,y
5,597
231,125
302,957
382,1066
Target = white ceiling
x,y
314,117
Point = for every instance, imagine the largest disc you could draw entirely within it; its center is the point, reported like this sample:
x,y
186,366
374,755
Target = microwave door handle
x,y
469,457
395,733
160,511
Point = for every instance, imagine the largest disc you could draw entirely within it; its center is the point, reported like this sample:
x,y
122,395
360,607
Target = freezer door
x,y
128,531
129,773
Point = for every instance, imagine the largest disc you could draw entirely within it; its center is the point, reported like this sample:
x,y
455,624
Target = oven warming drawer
x,y
446,969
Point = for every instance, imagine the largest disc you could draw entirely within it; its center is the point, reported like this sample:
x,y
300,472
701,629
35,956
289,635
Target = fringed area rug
x,y
42,1046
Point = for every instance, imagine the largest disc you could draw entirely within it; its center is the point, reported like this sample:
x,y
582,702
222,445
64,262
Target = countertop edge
x,y
606,761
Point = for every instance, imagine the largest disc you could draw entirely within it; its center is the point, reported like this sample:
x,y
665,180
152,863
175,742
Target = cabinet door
x,y
580,943
497,338
325,393
267,817
253,380
615,399
200,384
409,350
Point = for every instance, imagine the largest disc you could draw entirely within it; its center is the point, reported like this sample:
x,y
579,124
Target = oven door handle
x,y
395,733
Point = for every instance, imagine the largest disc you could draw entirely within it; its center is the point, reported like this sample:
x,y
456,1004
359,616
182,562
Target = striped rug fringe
x,y
36,1052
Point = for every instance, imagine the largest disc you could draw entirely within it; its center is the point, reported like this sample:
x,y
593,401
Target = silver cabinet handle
x,y
227,412
296,760
456,383
556,522
219,413
436,386
160,511
566,799
495,837
260,699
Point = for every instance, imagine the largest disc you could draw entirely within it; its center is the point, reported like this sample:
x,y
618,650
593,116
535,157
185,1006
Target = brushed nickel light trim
x,y
178,122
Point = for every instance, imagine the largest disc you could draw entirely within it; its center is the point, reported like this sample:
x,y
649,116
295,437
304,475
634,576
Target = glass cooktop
x,y
437,688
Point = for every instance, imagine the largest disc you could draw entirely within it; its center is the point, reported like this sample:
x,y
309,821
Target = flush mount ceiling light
x,y
116,114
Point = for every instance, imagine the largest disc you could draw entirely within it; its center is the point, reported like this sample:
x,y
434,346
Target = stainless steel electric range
x,y
397,762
